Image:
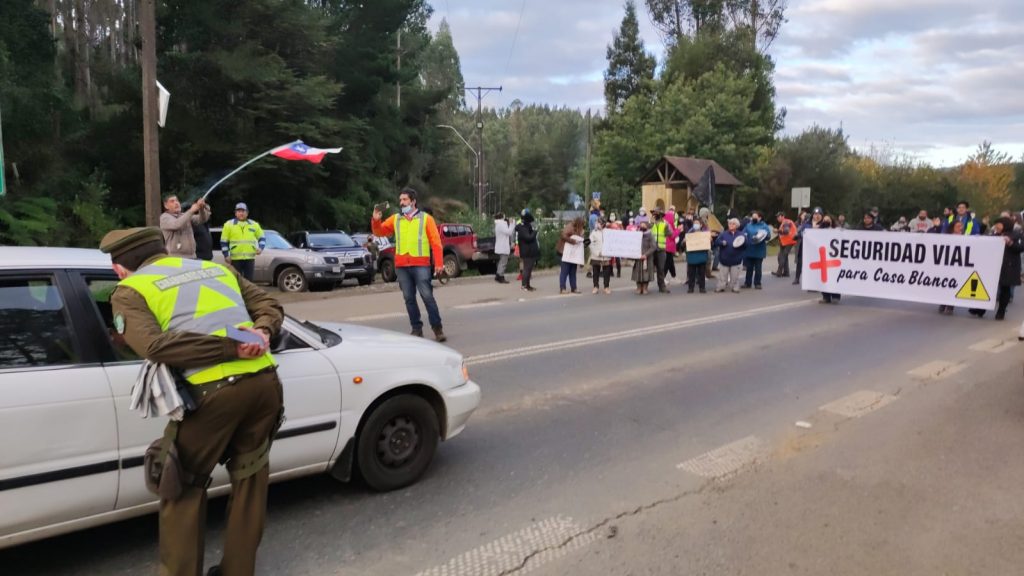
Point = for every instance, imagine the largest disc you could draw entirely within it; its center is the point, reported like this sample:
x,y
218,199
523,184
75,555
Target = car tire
x,y
387,270
452,265
291,279
397,443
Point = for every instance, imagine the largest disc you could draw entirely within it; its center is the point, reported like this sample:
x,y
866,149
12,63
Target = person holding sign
x,y
698,244
602,267
570,246
757,234
642,268
1009,273
730,256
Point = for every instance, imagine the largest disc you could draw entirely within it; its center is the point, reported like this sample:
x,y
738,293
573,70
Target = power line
x,y
515,37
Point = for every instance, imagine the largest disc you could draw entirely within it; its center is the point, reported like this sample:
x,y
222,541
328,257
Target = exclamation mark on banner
x,y
974,288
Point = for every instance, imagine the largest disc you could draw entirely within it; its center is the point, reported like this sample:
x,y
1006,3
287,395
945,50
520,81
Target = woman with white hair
x,y
730,256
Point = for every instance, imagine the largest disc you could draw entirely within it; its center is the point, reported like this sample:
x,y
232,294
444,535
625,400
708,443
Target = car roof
x,y
35,257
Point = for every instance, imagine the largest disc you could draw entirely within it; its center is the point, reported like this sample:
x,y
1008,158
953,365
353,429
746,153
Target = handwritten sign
x,y
697,241
621,244
573,253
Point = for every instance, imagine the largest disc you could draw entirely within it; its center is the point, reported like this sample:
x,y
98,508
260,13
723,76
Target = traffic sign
x,y
801,198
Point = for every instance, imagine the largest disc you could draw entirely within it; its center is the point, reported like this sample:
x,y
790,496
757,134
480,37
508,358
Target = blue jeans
x,y
414,279
753,266
568,271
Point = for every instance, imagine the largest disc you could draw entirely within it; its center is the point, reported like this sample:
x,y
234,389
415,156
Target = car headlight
x,y
465,372
314,259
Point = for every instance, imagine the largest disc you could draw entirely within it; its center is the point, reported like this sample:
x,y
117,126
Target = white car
x,y
356,398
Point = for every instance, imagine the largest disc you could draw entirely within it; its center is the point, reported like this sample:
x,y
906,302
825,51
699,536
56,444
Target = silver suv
x,y
289,268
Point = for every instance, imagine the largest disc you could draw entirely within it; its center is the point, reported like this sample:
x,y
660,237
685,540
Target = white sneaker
x,y
607,290
595,291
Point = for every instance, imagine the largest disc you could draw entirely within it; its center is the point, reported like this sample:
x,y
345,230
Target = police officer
x,y
177,311
241,240
416,240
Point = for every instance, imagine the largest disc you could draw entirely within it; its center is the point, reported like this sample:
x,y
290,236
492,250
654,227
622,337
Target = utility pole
x,y
150,111
587,178
481,91
398,81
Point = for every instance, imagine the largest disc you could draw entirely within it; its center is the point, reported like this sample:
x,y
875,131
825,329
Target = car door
x,y
311,393
59,459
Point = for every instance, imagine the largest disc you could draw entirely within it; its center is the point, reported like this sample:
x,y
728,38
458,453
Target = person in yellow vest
x,y
177,312
660,231
416,240
241,240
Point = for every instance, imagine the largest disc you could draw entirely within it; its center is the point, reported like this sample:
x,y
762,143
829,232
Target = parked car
x,y
358,261
356,399
463,250
289,268
385,254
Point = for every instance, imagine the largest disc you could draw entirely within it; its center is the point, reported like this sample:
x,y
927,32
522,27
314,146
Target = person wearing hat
x,y
177,311
529,248
177,226
241,240
661,231
787,239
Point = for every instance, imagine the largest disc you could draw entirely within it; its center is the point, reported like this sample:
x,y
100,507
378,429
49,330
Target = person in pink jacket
x,y
670,242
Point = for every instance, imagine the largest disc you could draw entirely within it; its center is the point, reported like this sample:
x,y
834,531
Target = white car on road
x,y
356,398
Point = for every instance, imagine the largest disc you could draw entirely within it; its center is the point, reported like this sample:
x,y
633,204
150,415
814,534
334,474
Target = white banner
x,y
621,244
929,268
573,253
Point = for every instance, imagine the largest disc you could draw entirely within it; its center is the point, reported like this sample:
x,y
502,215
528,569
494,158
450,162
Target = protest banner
x,y
621,244
697,241
929,268
573,253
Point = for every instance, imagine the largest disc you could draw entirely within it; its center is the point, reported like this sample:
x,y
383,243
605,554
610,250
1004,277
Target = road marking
x,y
993,346
936,370
727,460
519,552
477,305
858,404
624,334
375,317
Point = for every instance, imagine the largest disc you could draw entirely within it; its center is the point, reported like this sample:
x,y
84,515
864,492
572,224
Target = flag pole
x,y
236,171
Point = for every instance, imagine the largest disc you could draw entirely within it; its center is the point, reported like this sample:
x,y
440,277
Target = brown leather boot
x,y
439,334
417,332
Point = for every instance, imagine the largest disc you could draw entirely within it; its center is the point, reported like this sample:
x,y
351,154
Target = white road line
x,y
375,317
727,460
624,334
993,346
477,305
858,404
536,545
936,370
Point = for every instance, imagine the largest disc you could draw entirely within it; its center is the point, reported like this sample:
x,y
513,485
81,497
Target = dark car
x,y
287,267
357,260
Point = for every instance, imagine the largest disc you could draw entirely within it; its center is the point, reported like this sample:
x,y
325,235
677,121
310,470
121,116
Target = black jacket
x,y
204,241
528,245
1009,274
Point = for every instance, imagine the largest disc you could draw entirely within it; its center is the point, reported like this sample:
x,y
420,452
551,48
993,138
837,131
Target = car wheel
x,y
387,271
291,279
452,266
397,442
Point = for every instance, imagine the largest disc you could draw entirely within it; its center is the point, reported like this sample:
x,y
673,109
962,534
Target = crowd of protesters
x,y
739,248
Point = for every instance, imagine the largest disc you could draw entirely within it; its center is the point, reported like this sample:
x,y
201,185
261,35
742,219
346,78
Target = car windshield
x,y
326,336
331,240
276,241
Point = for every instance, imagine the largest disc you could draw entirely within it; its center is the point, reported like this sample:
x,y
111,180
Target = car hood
x,y
395,348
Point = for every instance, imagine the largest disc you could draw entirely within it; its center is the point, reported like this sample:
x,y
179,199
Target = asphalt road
x,y
622,434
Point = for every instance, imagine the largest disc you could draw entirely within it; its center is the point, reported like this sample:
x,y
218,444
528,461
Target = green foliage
x,y
630,68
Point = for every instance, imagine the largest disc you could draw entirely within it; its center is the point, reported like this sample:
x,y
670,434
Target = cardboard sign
x,y
621,244
573,253
928,268
697,241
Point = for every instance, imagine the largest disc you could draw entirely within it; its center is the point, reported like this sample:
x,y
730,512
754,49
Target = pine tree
x,y
630,67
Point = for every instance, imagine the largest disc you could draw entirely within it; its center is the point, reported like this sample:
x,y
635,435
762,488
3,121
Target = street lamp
x,y
476,158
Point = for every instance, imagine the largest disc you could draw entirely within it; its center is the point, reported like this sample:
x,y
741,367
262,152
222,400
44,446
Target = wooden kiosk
x,y
671,181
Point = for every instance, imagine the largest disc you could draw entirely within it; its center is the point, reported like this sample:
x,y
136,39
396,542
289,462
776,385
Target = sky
x,y
928,78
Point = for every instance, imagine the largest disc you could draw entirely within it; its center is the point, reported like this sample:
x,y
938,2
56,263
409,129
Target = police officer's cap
x,y
117,242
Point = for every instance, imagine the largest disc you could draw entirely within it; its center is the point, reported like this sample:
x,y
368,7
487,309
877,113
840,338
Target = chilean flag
x,y
299,151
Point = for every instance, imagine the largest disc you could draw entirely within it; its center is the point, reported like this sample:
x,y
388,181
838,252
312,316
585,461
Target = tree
x,y
761,20
630,67
985,180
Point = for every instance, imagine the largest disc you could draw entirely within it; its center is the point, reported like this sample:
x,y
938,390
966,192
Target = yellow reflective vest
x,y
240,240
660,232
201,297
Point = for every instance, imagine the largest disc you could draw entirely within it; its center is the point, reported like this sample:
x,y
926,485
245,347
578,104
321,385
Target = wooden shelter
x,y
671,181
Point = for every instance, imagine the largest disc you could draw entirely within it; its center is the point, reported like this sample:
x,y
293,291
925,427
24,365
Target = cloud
x,y
932,77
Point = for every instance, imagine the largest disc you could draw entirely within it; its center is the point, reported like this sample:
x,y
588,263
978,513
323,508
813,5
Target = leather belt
x,y
204,390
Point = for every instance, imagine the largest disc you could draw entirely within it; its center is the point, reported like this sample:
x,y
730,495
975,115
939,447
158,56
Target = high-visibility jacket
x,y
240,240
969,224
416,238
200,297
789,238
659,230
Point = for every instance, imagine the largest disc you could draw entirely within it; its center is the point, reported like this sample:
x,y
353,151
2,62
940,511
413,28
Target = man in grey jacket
x,y
177,226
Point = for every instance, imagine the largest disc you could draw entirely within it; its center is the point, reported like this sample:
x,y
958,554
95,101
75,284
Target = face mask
x,y
407,210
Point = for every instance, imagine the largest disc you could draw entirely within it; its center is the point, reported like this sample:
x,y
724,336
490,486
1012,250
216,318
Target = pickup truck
x,y
461,247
